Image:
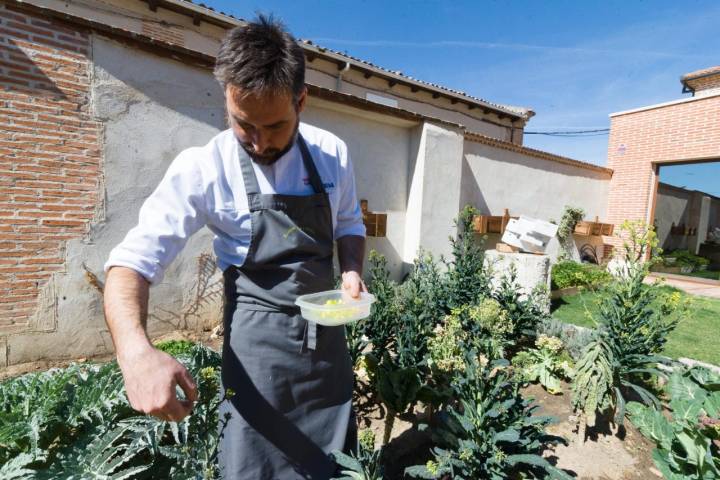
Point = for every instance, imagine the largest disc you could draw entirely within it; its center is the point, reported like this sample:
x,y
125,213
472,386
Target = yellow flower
x,y
366,438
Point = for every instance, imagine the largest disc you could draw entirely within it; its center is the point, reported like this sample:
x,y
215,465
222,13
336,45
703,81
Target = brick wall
x,y
683,131
49,154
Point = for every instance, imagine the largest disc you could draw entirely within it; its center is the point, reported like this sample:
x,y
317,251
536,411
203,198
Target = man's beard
x,y
272,155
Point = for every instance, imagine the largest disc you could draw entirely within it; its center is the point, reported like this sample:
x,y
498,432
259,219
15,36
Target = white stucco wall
x,y
495,179
434,175
379,148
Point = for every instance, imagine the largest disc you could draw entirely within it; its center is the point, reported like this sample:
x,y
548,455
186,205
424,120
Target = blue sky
x,y
573,62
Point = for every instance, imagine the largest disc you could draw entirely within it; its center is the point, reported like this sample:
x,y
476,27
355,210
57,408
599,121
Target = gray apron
x,y
292,379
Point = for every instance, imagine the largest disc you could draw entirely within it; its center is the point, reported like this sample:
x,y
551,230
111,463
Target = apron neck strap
x,y
250,179
313,174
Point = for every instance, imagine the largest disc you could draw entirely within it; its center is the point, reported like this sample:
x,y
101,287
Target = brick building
x,y
644,139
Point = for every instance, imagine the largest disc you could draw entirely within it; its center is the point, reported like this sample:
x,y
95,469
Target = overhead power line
x,y
575,133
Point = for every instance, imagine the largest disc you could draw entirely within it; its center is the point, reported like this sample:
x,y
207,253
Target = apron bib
x,y
292,379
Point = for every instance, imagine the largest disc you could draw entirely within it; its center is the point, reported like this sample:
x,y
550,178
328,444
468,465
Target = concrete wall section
x,y
495,179
434,200
714,221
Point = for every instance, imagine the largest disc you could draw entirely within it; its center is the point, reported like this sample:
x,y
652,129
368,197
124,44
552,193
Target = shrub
x,y
685,258
467,279
525,311
574,338
630,336
568,274
380,326
175,347
571,216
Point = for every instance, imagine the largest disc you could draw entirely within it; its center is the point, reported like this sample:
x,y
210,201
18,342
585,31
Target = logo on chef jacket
x,y
327,185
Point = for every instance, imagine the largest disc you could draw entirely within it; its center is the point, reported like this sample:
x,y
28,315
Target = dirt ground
x,y
602,456
206,338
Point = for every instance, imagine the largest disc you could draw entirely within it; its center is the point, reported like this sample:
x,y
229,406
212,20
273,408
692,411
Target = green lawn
x,y
697,336
712,275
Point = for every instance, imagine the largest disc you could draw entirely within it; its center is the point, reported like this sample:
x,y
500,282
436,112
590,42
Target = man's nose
x,y
260,142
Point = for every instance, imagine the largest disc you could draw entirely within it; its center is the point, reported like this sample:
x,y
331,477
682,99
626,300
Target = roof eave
x,y
198,13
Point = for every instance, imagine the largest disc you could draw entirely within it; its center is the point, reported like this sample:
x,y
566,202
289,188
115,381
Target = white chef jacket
x,y
204,187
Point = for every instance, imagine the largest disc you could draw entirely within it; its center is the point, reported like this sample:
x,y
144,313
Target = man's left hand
x,y
352,284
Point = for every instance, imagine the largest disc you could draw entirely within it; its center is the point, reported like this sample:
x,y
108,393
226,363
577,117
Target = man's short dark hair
x,y
261,57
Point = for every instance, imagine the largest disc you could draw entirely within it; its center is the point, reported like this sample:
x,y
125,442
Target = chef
x,y
277,194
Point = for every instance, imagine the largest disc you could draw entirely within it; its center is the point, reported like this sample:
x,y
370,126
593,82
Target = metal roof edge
x,y
494,142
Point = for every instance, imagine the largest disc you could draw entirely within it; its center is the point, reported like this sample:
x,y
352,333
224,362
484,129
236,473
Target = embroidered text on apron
x,y
292,379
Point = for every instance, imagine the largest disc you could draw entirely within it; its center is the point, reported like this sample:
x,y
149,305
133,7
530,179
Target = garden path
x,y
702,287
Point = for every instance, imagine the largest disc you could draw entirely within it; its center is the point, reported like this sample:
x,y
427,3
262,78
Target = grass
x,y
695,337
711,274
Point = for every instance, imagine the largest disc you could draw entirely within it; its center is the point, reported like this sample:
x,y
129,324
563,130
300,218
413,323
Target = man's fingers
x,y
186,382
353,287
176,411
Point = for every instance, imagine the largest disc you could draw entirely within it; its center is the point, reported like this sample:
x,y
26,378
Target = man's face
x,y
264,125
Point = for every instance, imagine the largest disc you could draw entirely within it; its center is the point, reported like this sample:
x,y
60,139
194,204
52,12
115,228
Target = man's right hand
x,y
150,378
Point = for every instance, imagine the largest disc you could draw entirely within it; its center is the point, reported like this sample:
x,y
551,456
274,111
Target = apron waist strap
x,y
309,341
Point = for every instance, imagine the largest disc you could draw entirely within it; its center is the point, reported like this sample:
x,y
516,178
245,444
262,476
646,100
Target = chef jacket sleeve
x,y
167,219
349,215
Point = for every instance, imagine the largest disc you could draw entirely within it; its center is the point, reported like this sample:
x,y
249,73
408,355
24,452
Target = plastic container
x,y
315,308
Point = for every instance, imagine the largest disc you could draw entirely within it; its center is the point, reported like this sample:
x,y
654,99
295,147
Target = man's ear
x,y
301,100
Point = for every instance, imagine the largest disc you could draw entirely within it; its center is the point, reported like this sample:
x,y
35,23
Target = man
x,y
276,193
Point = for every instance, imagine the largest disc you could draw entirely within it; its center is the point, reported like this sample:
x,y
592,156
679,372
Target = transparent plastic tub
x,y
333,307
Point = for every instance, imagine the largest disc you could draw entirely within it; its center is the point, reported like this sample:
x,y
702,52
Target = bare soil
x,y
206,338
604,455
623,454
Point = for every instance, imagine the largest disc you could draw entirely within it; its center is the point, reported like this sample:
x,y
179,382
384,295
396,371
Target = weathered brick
x,y
49,154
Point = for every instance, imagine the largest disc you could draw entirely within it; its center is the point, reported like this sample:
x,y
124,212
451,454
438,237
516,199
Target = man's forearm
x,y
351,252
126,306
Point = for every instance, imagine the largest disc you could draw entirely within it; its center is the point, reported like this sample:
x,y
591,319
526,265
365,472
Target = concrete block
x,y
532,269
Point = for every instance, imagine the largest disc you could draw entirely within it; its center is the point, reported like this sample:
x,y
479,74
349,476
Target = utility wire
x,y
576,133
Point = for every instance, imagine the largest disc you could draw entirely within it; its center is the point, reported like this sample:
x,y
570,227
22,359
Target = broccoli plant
x,y
526,311
491,329
545,364
631,334
467,278
366,464
379,328
491,433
